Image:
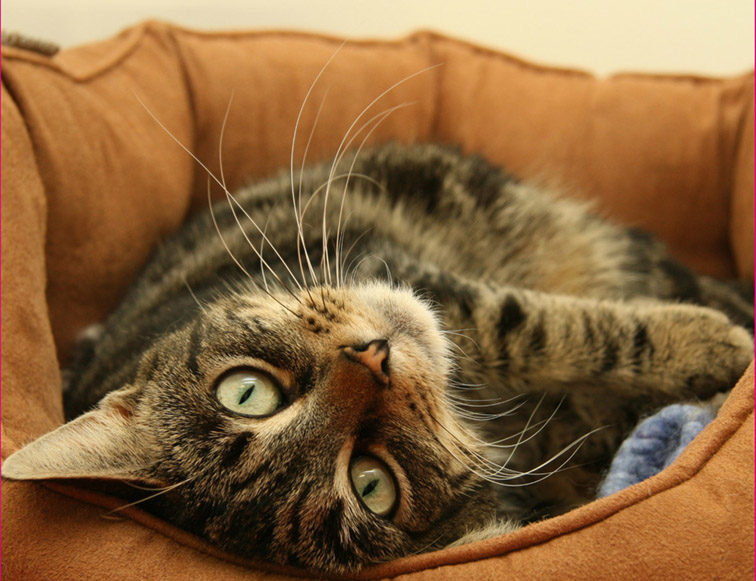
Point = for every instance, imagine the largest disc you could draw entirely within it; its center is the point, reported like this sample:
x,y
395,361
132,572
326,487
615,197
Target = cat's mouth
x,y
402,317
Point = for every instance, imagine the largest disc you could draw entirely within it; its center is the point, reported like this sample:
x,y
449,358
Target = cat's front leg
x,y
531,340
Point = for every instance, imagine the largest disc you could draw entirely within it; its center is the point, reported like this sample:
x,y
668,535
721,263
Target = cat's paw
x,y
703,352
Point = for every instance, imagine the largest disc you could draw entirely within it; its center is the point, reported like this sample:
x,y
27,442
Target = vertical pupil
x,y
246,394
369,488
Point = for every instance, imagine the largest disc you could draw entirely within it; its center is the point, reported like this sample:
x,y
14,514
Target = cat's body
x,y
450,305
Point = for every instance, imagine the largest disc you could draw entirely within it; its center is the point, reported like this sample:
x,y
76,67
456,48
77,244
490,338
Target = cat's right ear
x,y
107,442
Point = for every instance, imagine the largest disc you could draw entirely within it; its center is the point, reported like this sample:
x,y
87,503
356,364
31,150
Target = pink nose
x,y
374,356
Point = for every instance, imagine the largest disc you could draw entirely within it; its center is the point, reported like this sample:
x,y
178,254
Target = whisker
x,y
302,247
297,215
307,145
194,296
109,514
474,402
389,276
537,427
376,120
576,444
459,333
482,403
220,140
262,248
356,241
233,257
464,387
461,350
232,200
476,416
341,148
501,474
221,237
212,176
324,185
360,259
484,475
527,425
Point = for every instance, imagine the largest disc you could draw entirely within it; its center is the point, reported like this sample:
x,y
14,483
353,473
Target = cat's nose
x,y
374,356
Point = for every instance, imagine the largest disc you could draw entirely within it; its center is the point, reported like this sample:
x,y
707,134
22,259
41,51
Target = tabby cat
x,y
424,348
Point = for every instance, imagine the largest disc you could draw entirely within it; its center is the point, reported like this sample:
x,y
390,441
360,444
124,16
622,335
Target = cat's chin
x,y
409,315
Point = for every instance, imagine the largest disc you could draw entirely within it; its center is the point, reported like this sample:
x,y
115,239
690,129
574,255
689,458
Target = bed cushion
x,y
92,183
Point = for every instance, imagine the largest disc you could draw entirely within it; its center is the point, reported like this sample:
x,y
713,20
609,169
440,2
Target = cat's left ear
x,y
107,442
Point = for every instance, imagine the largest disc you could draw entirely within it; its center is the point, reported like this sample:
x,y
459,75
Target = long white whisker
x,y
459,333
323,186
500,474
485,475
576,444
309,141
263,264
477,416
221,237
262,248
461,350
178,142
527,425
482,403
348,252
109,514
213,177
344,140
297,215
474,401
233,201
376,120
482,459
301,247
492,472
372,256
220,141
231,254
537,427
191,292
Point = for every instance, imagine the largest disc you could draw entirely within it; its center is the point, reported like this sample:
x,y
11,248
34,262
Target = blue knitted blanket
x,y
655,443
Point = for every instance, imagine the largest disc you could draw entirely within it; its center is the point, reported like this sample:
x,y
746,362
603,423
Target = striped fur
x,y
512,316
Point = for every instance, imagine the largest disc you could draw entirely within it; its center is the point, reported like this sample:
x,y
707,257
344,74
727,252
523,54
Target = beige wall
x,y
703,36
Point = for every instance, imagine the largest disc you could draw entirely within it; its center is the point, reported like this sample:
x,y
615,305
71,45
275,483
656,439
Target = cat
x,y
425,350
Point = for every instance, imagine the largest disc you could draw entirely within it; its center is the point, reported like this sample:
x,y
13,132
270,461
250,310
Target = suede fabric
x,y
92,182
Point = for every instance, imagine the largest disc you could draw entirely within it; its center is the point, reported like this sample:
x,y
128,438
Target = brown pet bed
x,y
92,183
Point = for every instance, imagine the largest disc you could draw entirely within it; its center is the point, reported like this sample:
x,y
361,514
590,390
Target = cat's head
x,y
309,428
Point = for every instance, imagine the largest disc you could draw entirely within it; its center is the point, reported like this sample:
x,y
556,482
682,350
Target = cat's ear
x,y
107,442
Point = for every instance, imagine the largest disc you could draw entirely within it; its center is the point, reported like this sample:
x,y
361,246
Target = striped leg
x,y
532,340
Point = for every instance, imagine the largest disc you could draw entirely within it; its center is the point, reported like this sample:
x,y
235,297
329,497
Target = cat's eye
x,y
374,485
249,392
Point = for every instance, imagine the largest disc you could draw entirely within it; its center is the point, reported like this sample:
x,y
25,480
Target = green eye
x,y
374,485
249,392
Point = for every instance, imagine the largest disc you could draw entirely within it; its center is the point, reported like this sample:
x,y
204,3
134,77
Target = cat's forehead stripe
x,y
245,336
194,348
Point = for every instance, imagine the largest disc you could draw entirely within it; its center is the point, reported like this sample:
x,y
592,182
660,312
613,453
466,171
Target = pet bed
x,y
92,183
